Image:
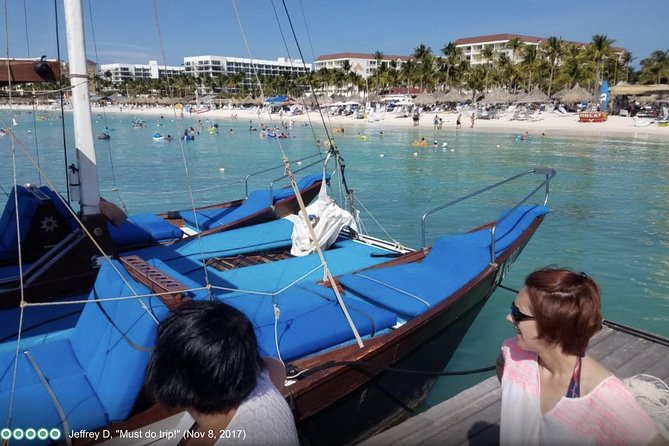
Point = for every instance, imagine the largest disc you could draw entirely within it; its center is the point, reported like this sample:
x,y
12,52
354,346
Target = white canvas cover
x,y
327,220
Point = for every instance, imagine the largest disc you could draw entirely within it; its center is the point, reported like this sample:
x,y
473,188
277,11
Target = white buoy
x,y
299,163
415,154
498,146
222,169
452,150
381,155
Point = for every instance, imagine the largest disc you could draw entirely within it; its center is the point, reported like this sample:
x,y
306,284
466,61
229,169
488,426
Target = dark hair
x,y
205,358
566,306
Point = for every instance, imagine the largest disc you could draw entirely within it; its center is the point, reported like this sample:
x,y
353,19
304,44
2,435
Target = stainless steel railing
x,y
547,172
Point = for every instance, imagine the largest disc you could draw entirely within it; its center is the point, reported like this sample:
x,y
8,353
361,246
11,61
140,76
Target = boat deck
x,y
472,416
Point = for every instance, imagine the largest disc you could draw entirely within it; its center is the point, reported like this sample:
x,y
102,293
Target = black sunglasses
x,y
517,315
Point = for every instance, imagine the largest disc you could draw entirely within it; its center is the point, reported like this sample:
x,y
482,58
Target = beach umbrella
x,y
439,96
576,94
498,96
522,98
538,96
424,99
454,96
561,93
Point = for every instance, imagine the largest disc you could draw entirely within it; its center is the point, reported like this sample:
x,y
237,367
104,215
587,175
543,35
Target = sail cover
x,y
327,219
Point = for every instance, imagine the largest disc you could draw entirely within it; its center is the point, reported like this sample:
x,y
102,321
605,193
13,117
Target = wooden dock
x,y
472,416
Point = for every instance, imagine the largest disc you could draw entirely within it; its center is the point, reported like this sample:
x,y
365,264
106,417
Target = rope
x,y
418,298
62,105
360,364
18,227
104,114
189,182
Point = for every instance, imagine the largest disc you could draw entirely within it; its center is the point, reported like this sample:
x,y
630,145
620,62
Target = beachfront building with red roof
x,y
364,64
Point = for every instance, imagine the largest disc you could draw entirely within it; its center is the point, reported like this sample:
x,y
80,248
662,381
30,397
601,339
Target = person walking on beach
x,y
206,361
458,122
552,392
473,118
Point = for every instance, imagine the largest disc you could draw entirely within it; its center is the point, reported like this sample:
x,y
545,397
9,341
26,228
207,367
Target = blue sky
x,y
127,31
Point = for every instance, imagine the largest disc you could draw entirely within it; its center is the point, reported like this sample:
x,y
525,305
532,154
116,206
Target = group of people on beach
x,y
206,360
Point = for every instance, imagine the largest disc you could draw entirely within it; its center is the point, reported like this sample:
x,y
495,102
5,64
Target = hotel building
x,y
363,64
215,66
472,46
123,71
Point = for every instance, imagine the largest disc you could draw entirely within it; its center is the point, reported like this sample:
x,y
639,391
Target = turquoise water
x,y
610,199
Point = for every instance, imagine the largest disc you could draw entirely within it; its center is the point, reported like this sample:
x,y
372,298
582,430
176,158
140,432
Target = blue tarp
x,y
276,99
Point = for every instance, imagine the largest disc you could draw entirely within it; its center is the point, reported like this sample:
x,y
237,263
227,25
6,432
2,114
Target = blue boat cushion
x,y
98,371
9,240
411,289
310,319
256,202
143,229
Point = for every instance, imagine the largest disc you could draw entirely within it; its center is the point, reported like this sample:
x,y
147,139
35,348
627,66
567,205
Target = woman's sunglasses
x,y
517,315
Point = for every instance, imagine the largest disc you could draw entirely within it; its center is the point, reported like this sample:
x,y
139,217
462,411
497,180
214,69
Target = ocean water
x,y
609,200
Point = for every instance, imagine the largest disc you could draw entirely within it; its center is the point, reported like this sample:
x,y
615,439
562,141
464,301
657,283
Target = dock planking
x,y
472,416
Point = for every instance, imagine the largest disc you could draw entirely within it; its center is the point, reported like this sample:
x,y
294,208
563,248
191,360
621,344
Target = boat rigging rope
x,y
293,373
104,114
62,104
189,181
18,228
298,196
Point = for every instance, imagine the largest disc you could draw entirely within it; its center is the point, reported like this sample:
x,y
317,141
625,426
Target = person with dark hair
x,y
552,393
206,361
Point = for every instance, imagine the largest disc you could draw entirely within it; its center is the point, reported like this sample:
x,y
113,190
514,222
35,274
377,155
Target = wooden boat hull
x,y
347,404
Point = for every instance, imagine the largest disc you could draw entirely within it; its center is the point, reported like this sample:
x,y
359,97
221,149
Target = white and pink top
x,y
608,415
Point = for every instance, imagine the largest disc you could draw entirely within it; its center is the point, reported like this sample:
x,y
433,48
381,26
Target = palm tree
x,y
453,55
487,54
554,52
599,49
530,57
423,56
655,67
516,46
378,58
571,69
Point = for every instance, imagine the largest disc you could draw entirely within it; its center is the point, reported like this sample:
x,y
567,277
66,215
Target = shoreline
x,y
550,123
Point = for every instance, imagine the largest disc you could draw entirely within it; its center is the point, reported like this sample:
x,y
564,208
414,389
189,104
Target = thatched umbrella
x,y
561,93
439,96
424,99
522,98
538,96
577,94
454,96
498,96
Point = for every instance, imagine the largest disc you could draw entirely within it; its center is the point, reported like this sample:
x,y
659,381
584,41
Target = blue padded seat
x,y
256,202
143,229
411,289
96,373
9,240
310,319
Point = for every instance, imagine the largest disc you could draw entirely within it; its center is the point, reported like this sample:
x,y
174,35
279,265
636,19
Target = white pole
x,y
81,109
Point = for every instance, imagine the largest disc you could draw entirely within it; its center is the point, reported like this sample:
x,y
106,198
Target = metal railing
x,y
547,172
247,177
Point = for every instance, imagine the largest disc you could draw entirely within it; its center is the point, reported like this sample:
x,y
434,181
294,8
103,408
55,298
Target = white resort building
x,y
214,66
124,71
472,46
363,64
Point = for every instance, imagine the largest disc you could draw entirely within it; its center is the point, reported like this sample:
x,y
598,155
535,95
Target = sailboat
x,y
346,312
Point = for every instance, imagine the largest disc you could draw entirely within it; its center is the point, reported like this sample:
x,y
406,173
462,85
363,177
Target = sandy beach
x,y
549,123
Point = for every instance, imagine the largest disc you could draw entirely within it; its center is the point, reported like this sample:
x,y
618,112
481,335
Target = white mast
x,y
81,109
